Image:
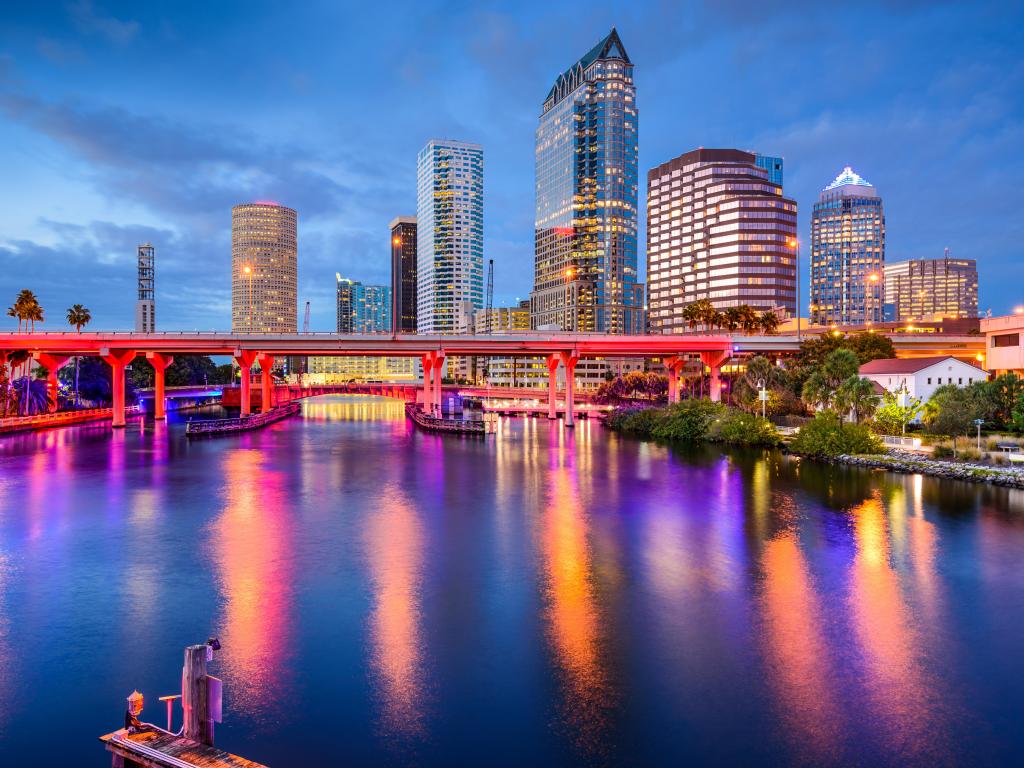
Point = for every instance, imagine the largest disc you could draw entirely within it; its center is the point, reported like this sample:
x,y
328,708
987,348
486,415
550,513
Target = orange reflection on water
x,y
797,653
394,539
252,550
572,613
889,644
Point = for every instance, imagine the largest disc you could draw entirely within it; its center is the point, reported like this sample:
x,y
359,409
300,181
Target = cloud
x,y
90,21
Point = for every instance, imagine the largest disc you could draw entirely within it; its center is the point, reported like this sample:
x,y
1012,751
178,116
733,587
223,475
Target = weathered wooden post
x,y
194,697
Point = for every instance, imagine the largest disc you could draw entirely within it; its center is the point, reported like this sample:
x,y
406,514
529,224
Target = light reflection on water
x,y
545,596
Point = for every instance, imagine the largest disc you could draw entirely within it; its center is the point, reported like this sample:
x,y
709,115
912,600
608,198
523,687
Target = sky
x,y
125,122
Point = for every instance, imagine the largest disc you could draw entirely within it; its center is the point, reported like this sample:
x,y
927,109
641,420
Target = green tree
x,y
857,395
952,411
1001,396
821,386
891,418
78,316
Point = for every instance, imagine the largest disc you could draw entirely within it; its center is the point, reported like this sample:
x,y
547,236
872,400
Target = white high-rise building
x,y
450,233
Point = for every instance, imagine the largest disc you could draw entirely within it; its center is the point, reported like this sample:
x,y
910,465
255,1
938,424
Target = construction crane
x,y
490,296
305,321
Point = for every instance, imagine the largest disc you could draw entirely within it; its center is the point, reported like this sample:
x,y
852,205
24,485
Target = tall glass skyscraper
x,y
403,273
450,232
585,256
847,253
363,308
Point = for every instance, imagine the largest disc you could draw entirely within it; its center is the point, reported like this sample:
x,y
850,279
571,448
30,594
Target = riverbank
x,y
913,463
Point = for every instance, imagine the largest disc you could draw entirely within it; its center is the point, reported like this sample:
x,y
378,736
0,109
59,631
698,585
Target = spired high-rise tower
x,y
450,233
847,253
145,307
264,269
585,251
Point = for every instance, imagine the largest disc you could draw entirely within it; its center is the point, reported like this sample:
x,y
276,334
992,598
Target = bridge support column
x,y
52,364
673,364
159,363
569,359
245,358
428,371
553,361
266,382
117,359
438,376
714,360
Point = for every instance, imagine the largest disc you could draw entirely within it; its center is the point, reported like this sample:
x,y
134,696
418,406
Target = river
x,y
542,596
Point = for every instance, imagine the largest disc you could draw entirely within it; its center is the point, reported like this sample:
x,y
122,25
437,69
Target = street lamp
x,y
248,271
873,277
978,423
794,243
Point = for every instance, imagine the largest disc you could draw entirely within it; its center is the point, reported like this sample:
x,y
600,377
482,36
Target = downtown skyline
x,y
103,170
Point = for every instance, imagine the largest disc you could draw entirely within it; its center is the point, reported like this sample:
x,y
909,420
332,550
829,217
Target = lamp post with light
x,y
248,272
872,278
794,243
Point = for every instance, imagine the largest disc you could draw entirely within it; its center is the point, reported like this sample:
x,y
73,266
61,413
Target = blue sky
x,y
124,121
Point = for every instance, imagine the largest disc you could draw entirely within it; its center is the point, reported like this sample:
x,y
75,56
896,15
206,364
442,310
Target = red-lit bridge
x,y
118,349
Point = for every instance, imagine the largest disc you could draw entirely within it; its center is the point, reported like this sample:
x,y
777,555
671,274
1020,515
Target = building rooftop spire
x,y
610,47
848,177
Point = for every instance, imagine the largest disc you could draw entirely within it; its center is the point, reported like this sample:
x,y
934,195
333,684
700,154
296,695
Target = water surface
x,y
542,596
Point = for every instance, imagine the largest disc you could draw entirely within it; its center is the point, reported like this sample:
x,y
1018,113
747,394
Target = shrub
x,y
969,454
942,451
687,421
741,428
827,435
634,421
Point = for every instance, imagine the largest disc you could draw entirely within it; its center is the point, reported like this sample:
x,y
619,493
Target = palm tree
x,y
733,318
78,317
769,322
36,397
14,311
857,396
749,319
691,314
821,386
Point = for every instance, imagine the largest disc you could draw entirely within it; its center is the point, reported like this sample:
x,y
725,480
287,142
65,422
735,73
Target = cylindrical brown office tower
x,y
264,269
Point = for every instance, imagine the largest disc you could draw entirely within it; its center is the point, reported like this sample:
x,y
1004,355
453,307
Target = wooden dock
x,y
156,748
452,426
210,427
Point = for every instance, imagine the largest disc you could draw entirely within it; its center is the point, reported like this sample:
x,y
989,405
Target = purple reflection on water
x,y
544,596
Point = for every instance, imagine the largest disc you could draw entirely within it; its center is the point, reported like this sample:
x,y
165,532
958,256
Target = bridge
x,y
118,349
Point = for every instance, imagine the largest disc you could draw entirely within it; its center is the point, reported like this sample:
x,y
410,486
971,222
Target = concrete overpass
x,y
118,349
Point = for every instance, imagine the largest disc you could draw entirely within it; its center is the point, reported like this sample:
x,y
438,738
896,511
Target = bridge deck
x,y
156,748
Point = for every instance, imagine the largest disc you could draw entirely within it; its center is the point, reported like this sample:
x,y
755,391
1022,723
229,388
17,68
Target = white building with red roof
x,y
921,376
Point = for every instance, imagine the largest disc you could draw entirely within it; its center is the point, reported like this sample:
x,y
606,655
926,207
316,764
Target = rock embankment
x,y
913,463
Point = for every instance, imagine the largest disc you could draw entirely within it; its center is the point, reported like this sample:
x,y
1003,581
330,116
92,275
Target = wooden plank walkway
x,y
156,748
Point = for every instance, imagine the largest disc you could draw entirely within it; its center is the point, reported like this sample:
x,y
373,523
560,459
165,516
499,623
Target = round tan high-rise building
x,y
264,269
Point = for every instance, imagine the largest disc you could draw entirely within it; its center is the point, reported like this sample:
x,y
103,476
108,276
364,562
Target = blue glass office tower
x,y
847,253
773,165
585,259
363,308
